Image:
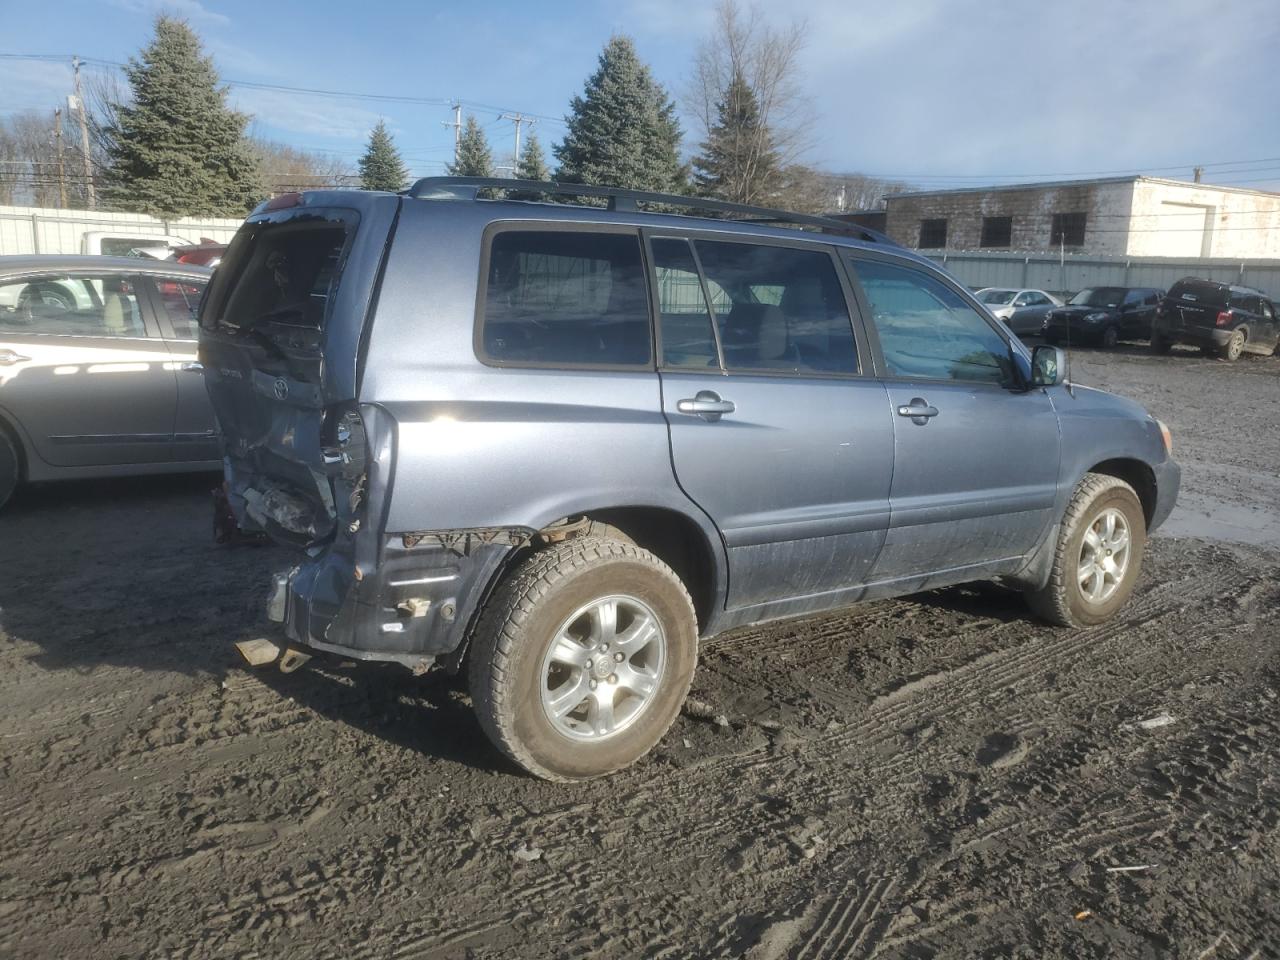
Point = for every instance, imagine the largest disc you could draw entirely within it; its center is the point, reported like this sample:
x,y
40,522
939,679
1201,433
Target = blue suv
x,y
558,445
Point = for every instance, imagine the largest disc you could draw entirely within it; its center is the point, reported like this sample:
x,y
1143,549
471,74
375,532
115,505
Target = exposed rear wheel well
x,y
1137,475
678,542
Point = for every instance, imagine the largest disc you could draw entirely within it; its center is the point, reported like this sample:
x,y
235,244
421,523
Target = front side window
x,y
778,309
1098,297
927,331
100,306
566,298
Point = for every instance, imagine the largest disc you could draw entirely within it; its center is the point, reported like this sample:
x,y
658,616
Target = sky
x,y
934,92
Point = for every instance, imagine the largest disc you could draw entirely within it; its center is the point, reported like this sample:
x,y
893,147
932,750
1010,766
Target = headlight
x,y
1095,318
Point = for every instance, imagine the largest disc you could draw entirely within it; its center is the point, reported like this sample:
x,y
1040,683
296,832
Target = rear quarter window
x,y
565,298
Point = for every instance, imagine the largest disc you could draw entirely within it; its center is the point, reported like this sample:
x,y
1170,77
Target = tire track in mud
x,y
850,924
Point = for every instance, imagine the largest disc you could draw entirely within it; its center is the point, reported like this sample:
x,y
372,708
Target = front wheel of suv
x,y
1098,556
1110,337
1160,344
582,658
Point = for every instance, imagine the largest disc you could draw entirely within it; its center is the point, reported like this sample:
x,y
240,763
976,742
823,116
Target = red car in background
x,y
206,253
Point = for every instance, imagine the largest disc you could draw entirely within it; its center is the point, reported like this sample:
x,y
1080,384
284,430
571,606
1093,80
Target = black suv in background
x,y
1104,315
1220,318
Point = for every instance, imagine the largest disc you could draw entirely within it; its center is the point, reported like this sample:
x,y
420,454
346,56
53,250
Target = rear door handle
x,y
8,356
918,410
706,404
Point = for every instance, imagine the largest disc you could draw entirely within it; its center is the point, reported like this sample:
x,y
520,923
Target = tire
x,y
511,659
1159,344
1110,338
1063,600
10,467
1232,349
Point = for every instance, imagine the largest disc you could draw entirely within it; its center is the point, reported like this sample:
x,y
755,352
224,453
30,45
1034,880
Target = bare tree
x,y
286,169
768,58
30,172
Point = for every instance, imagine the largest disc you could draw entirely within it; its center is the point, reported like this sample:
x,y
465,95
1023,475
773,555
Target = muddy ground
x,y
932,777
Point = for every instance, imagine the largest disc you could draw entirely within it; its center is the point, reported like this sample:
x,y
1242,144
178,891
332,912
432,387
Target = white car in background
x,y
113,243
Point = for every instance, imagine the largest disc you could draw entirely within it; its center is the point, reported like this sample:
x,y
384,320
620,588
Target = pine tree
x,y
381,167
475,159
623,130
178,150
532,164
738,160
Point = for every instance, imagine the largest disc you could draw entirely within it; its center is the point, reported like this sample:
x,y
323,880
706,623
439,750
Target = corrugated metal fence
x,y
49,230
1045,271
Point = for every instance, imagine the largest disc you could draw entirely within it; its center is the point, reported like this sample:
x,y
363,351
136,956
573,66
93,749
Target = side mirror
x,y
1048,366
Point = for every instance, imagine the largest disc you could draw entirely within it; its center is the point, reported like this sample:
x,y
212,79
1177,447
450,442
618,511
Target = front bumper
x,y
1168,481
413,608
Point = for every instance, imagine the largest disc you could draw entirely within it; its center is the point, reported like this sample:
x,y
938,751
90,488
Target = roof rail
x,y
626,201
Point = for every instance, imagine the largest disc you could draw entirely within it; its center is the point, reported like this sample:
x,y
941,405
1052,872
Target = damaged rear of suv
x,y
557,445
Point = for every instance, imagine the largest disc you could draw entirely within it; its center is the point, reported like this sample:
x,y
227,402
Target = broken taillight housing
x,y
342,440
1224,318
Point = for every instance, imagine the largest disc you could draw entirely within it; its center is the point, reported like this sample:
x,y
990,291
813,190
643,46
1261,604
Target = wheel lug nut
x,y
593,684
588,664
618,657
604,646
613,678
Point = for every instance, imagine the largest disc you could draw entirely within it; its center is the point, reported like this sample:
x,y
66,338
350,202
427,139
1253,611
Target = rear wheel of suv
x,y
582,658
1232,349
1098,557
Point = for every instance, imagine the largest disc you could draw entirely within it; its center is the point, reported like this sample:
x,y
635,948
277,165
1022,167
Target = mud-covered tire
x,y
10,467
506,663
1232,349
1110,338
1160,344
1062,600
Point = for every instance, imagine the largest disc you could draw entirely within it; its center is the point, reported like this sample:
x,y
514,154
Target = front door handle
x,y
8,356
193,366
918,410
706,404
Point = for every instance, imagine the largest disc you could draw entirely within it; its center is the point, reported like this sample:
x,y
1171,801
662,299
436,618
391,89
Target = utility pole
x,y
90,194
457,129
517,119
62,170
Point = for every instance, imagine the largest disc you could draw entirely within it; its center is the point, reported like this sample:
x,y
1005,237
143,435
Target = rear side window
x,y
180,301
778,309
688,341
566,298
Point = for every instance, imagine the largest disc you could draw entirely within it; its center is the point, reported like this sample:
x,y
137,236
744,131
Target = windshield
x,y
997,296
1099,297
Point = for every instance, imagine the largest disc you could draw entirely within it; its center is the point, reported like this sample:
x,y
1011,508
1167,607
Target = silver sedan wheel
x,y
1104,556
603,668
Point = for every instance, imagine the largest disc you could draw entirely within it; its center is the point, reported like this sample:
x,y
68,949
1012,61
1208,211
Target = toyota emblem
x,y
281,388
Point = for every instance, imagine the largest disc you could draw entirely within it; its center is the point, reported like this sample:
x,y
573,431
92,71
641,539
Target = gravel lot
x,y
937,776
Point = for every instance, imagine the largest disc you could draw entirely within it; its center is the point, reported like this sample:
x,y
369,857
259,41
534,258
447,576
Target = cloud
x,y
33,85
186,9
300,113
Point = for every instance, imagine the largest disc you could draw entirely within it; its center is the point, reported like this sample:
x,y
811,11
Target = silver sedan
x,y
98,370
1021,310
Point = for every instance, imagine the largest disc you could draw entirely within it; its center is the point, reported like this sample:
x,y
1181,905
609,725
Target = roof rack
x,y
627,201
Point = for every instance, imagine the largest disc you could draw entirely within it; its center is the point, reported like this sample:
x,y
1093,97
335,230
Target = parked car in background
x,y
560,443
118,244
98,369
1220,318
1104,315
1022,311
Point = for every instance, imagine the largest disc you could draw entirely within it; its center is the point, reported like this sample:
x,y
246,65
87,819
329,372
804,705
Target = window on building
x,y
566,298
997,231
933,234
1068,229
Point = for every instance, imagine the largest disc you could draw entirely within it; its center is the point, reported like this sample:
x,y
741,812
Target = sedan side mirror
x,y
1048,366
